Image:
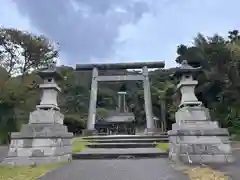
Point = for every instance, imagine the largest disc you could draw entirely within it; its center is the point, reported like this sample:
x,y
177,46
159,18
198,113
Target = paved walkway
x,y
136,169
232,170
139,169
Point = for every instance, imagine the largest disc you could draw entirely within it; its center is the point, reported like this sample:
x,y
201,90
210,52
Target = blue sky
x,y
114,31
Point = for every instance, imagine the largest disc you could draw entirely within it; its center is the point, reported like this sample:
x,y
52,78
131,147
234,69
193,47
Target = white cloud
x,y
154,37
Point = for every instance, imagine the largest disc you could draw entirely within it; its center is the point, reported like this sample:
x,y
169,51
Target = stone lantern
x,y
195,138
189,101
49,89
48,111
187,85
44,139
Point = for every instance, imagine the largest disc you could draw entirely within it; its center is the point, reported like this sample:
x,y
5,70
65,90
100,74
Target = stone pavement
x,y
138,169
232,170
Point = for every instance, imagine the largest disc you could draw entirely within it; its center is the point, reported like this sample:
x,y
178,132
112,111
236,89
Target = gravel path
x,y
139,169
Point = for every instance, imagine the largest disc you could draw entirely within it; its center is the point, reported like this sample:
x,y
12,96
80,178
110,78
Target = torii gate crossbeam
x,y
117,66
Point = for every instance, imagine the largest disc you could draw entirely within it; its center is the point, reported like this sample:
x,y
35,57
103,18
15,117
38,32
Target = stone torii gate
x,y
120,66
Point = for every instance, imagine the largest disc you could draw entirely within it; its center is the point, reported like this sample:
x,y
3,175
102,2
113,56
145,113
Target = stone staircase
x,y
122,146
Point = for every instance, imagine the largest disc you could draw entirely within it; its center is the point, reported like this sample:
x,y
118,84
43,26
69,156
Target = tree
x,y
101,113
8,101
219,86
21,52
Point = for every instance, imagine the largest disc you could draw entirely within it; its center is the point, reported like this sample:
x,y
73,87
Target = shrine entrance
x,y
150,125
119,121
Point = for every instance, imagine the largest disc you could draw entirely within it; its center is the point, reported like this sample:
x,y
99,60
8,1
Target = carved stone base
x,y
195,113
196,139
204,158
50,116
200,146
40,143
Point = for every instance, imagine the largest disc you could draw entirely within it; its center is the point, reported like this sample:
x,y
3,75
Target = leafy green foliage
x,y
23,53
219,82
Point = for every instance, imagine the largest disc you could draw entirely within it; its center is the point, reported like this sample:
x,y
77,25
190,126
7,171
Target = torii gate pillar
x,y
150,125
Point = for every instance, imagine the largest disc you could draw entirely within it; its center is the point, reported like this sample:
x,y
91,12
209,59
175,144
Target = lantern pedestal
x,y
40,143
194,138
44,139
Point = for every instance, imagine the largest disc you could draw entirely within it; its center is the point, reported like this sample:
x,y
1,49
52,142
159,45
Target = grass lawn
x,y
78,144
8,172
162,146
200,173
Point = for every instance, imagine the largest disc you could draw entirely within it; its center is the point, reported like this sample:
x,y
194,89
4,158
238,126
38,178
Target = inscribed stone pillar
x,y
148,101
122,102
93,101
119,103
